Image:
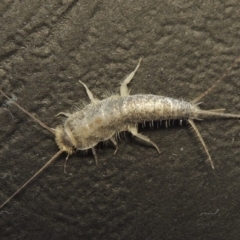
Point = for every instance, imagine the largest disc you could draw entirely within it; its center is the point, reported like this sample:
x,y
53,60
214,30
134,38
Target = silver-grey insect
x,y
102,120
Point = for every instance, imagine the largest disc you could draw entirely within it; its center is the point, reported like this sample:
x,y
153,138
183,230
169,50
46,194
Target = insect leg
x,y
124,89
134,132
112,139
65,164
89,93
94,154
202,141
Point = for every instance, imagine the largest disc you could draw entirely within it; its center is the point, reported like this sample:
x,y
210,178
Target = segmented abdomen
x,y
137,108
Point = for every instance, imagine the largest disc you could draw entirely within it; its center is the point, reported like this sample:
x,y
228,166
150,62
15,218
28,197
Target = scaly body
x,y
102,120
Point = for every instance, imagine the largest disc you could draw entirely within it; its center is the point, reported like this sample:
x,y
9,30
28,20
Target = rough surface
x,y
46,46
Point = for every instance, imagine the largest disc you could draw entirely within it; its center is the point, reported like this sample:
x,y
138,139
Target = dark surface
x,y
46,46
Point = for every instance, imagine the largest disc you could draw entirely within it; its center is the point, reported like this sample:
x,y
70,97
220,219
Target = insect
x,y
102,120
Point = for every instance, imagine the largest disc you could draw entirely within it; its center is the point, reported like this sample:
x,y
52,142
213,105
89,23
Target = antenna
x,y
32,178
52,130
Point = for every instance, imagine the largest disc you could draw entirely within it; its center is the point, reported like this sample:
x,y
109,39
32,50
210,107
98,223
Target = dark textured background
x,y
46,46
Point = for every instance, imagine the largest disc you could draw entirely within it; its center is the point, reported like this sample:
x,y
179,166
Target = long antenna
x,y
52,130
216,83
33,177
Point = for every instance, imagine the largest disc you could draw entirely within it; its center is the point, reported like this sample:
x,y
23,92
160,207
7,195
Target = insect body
x,y
102,120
